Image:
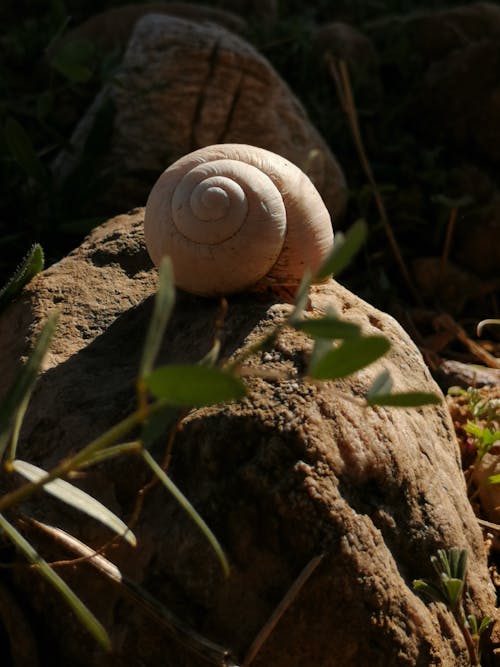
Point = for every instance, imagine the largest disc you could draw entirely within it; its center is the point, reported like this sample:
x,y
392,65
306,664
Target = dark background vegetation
x,y
43,95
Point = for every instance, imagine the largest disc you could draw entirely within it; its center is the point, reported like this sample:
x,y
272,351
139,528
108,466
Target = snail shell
x,y
231,216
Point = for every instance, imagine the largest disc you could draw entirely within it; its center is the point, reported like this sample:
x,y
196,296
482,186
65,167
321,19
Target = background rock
x,y
293,471
184,85
112,28
456,52
342,41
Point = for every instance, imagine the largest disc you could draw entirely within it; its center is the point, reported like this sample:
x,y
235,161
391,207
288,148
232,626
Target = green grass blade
x,y
328,327
186,505
461,568
164,302
16,398
349,357
23,152
158,424
74,60
320,348
29,267
344,249
82,612
429,589
453,589
443,563
71,495
301,297
112,452
484,625
193,385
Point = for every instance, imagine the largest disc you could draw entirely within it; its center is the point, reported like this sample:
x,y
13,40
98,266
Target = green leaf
x,y
23,152
494,479
86,617
188,507
429,589
320,348
472,623
344,249
453,589
381,385
112,452
164,302
349,357
456,391
29,267
158,424
458,562
441,563
484,625
404,399
328,327
474,429
16,398
77,498
191,385
74,60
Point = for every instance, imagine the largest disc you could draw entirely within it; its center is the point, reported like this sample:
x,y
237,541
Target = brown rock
x,y
344,42
185,85
112,28
293,472
433,34
453,373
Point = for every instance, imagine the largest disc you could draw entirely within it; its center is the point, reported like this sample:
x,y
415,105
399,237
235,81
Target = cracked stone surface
x,y
184,85
293,473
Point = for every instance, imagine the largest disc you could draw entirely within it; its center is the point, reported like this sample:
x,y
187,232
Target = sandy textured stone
x,y
293,472
184,85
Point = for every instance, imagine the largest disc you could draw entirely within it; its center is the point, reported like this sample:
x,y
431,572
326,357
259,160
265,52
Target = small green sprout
x,y
451,570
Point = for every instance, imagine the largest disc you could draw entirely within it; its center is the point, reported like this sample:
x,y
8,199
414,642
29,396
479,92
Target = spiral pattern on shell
x,y
232,216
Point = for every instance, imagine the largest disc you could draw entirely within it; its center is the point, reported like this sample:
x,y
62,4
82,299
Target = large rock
x,y
112,28
184,85
293,472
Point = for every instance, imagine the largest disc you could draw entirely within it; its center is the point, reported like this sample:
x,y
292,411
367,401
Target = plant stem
x,y
469,641
340,75
108,438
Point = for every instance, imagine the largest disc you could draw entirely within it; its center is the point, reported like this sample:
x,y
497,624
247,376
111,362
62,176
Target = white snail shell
x,y
231,216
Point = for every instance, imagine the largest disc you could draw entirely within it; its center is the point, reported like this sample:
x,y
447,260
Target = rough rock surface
x,y
184,85
293,472
112,28
341,41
